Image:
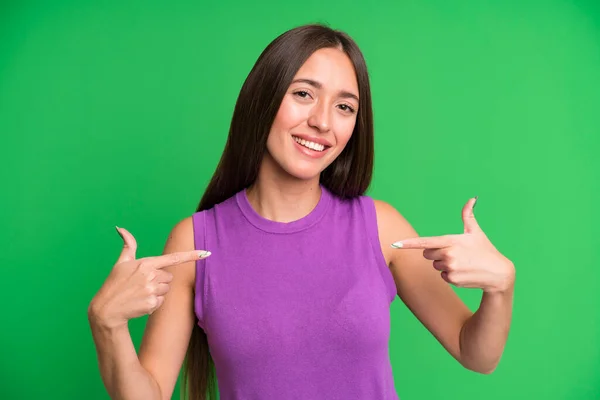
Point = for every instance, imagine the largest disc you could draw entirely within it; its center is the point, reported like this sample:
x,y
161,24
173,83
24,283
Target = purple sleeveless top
x,y
297,310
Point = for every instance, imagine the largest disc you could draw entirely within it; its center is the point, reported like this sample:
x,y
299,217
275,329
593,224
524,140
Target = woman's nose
x,y
319,118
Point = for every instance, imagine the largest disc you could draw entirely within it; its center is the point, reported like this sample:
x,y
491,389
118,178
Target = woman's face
x,y
317,115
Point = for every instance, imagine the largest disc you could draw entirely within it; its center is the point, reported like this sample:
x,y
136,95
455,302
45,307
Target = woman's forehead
x,y
331,68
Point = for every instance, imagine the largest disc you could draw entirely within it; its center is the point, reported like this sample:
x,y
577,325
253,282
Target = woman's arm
x,y
122,374
477,339
152,374
483,336
169,328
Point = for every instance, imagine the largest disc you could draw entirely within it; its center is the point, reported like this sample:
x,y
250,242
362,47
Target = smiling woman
x,y
318,111
282,281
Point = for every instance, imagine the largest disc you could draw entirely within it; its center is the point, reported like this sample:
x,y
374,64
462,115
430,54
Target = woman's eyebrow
x,y
319,85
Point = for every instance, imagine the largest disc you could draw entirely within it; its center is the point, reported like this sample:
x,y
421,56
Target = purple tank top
x,y
297,310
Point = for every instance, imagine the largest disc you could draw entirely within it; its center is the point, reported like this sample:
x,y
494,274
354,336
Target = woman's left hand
x,y
466,260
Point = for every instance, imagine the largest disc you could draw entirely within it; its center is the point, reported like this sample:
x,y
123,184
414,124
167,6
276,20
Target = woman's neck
x,y
283,198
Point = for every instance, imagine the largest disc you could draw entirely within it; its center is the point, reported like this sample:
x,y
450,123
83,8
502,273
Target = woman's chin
x,y
304,174
295,169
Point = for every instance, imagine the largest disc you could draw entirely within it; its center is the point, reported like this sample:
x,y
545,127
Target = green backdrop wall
x,y
115,113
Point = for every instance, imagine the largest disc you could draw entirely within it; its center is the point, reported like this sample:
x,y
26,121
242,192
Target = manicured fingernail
x,y
204,254
474,204
397,245
118,231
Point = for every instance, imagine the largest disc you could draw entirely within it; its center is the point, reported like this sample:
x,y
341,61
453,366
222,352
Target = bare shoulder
x,y
392,226
182,234
181,238
386,212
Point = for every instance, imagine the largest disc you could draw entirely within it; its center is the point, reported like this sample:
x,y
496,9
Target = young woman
x,y
282,280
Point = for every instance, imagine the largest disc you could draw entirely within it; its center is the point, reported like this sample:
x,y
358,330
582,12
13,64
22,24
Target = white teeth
x,y
310,145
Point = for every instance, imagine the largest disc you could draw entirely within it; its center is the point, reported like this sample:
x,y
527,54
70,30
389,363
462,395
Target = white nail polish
x,y
204,254
397,245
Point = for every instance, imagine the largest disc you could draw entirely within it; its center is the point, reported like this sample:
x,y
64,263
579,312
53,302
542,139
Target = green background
x,y
116,113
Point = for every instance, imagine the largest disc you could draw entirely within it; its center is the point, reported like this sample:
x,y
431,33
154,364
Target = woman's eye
x,y
302,93
346,107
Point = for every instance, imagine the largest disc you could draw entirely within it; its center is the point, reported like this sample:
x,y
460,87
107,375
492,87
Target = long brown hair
x,y
349,175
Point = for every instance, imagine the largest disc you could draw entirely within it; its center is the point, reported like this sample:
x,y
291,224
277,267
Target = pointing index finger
x,y
433,242
177,258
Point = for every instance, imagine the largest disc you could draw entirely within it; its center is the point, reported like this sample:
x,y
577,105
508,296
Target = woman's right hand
x,y
135,287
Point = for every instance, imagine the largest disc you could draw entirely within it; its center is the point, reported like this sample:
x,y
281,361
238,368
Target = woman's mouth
x,y
308,144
